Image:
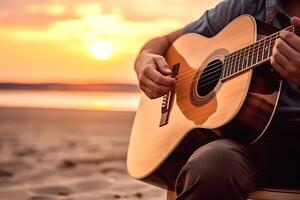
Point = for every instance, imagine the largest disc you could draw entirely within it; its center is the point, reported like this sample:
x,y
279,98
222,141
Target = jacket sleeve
x,y
214,20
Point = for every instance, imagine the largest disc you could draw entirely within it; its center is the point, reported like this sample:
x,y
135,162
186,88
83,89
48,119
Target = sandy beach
x,y
56,154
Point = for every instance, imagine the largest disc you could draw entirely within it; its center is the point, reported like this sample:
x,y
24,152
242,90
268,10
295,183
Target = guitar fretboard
x,y
250,56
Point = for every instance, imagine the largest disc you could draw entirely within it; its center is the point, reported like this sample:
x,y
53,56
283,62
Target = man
x,y
275,159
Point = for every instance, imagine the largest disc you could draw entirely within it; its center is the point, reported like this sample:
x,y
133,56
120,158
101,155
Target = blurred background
x,y
68,93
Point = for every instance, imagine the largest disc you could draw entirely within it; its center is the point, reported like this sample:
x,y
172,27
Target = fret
x,y
260,51
241,60
273,40
263,50
253,54
272,43
224,68
256,52
270,46
246,58
250,55
228,64
237,63
238,60
266,48
231,64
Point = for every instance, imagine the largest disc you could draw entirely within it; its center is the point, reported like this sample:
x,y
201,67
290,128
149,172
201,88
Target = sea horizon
x,y
118,87
70,99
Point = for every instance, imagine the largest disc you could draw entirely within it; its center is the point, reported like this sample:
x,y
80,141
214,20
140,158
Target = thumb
x,y
295,22
163,66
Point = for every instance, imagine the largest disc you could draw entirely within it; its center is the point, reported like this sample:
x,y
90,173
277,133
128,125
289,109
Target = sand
x,y
49,154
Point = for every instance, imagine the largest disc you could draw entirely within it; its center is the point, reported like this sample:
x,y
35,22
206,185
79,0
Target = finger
x,y
158,78
277,67
162,65
292,39
151,94
156,88
286,50
279,63
295,22
148,92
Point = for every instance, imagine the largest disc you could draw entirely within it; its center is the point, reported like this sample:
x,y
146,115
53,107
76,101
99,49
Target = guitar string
x,y
183,95
240,70
291,28
225,65
217,67
201,86
217,75
229,66
243,69
233,58
215,80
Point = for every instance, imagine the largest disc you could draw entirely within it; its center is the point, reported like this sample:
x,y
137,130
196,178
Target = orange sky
x,y
62,40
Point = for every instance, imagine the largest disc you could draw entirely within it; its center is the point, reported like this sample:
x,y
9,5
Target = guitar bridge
x,y
168,100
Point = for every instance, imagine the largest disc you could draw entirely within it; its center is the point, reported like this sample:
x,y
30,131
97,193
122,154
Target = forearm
x,y
156,46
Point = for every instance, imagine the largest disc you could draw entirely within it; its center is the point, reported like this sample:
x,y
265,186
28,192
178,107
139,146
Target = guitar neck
x,y
251,56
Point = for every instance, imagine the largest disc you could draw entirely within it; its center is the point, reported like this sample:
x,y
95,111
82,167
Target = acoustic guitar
x,y
225,86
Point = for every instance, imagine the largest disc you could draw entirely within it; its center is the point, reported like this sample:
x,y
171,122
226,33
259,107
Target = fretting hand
x,y
286,54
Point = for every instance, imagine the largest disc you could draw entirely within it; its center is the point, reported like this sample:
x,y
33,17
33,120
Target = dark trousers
x,y
228,170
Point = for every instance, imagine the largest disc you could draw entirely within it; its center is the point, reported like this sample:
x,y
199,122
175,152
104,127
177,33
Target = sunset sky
x,y
88,41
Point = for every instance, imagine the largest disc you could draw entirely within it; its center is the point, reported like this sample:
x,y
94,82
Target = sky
x,y
84,41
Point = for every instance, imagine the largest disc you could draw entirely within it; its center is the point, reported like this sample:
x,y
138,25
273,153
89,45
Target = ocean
x,y
100,101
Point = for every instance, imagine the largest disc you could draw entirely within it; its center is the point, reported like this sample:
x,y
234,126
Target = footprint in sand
x,y
25,152
41,198
14,166
9,169
90,185
49,192
48,198
112,171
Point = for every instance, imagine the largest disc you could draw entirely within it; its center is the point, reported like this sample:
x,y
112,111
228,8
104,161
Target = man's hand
x,y
151,67
286,54
153,75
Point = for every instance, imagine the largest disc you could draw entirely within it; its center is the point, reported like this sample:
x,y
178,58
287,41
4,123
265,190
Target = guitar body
x,y
239,108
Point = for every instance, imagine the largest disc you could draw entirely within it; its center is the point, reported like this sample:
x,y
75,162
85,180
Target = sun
x,y
102,50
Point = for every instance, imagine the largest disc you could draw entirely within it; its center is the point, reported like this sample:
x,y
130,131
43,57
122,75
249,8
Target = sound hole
x,y
209,78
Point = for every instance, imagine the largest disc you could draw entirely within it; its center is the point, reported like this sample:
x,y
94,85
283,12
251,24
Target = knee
x,y
214,161
215,165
